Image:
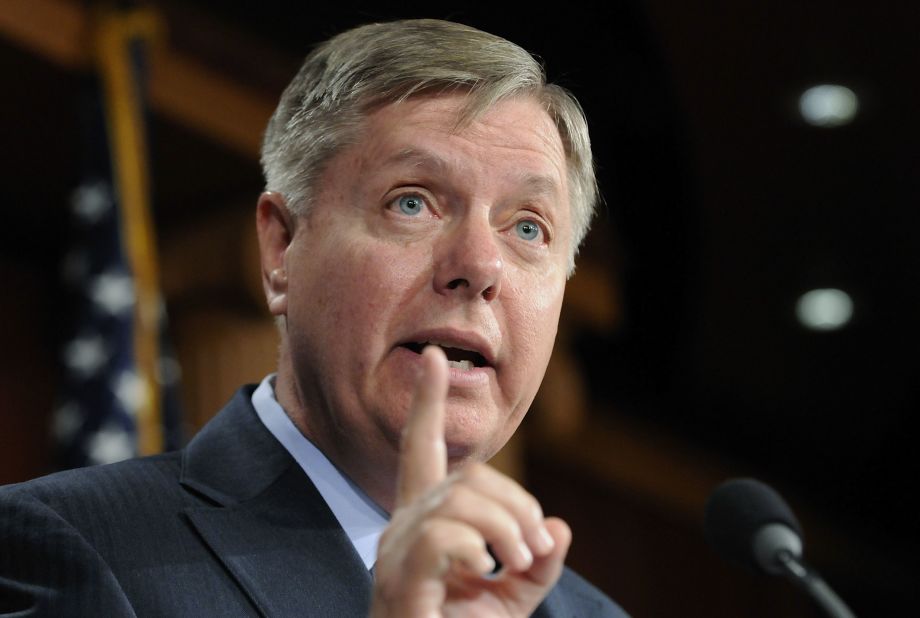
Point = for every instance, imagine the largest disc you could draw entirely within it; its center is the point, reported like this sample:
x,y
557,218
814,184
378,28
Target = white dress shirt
x,y
361,519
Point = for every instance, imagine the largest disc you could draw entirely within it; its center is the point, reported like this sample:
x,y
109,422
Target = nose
x,y
469,261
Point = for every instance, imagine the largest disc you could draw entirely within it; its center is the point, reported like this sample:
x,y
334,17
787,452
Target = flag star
x,y
110,444
91,201
130,390
113,291
86,355
67,421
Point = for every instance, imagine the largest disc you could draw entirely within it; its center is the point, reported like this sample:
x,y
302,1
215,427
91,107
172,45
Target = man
x,y
426,194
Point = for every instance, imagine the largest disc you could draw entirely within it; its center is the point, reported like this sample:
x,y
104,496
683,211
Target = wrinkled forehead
x,y
431,132
471,104
507,122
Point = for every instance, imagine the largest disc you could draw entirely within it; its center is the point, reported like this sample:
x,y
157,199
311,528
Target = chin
x,y
458,456
479,447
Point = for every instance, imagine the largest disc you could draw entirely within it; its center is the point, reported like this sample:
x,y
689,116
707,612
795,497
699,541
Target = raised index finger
x,y
423,455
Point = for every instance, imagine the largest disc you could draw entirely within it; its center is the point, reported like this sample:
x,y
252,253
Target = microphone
x,y
747,522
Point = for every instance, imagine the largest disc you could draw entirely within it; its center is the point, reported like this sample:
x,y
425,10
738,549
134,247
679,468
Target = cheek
x,y
361,289
535,322
377,279
538,303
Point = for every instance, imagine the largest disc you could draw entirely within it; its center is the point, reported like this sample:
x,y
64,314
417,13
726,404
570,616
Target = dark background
x,y
721,208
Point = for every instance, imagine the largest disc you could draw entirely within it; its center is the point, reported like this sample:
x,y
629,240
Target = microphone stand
x,y
808,579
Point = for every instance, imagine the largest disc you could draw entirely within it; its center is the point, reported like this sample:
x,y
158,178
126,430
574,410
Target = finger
x,y
491,520
522,506
437,549
547,569
442,543
423,455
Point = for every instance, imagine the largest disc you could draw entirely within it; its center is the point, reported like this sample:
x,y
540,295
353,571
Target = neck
x,y
375,475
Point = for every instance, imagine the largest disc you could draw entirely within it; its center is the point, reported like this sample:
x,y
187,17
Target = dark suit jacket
x,y
229,526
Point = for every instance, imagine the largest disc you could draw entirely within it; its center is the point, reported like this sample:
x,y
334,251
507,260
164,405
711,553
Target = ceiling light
x,y
828,105
824,309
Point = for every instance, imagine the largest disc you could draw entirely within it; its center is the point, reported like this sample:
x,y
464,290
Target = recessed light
x,y
828,105
824,309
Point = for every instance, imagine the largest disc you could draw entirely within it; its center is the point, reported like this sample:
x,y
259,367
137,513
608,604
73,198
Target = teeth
x,y
463,365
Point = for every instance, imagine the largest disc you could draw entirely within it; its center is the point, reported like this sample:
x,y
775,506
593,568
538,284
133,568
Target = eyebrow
x,y
420,159
538,184
535,184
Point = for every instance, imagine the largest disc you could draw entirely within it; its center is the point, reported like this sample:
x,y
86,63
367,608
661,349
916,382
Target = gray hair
x,y
348,76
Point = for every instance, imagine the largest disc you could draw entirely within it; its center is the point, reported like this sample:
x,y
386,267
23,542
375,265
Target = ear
x,y
275,227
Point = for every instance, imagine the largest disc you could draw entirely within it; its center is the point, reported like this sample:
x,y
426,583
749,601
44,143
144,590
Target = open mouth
x,y
457,358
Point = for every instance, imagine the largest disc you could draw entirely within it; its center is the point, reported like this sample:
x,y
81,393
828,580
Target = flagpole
x,y
113,35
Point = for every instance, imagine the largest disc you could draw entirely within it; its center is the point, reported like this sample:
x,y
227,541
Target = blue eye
x,y
410,204
527,229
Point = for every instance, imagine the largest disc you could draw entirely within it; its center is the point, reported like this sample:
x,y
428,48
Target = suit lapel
x,y
269,526
553,606
287,551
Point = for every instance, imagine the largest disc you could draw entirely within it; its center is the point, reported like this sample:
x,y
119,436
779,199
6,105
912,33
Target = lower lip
x,y
460,378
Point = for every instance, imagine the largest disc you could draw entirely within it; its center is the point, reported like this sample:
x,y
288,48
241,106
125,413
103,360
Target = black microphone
x,y
749,523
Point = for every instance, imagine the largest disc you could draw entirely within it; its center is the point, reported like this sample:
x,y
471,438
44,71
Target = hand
x,y
432,560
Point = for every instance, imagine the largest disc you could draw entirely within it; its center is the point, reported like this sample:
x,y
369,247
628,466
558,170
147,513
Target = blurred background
x,y
746,304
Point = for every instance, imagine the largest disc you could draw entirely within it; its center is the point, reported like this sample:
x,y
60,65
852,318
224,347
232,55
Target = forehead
x,y
515,137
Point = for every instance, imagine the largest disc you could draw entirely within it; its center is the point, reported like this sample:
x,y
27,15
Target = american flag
x,y
104,388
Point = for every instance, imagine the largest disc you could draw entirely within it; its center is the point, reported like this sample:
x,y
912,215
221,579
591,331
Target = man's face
x,y
424,233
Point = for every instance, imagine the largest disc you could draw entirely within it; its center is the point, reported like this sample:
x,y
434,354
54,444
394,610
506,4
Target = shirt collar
x,y
361,519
